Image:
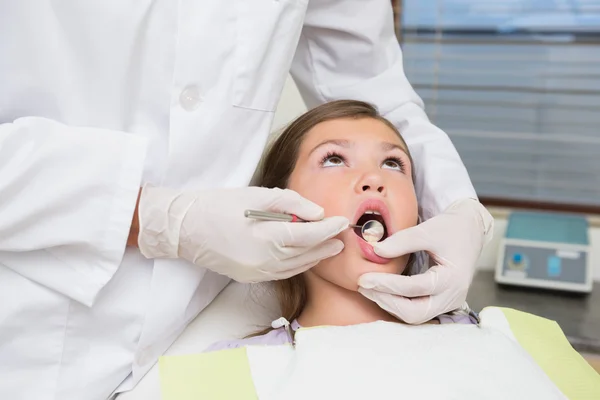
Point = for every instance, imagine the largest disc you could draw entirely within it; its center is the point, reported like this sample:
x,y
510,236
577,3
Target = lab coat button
x,y
190,98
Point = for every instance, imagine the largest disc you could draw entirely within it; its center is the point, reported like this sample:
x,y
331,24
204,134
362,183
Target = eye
x,y
393,163
332,160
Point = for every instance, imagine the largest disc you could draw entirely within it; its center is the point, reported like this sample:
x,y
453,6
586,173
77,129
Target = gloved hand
x,y
454,240
209,229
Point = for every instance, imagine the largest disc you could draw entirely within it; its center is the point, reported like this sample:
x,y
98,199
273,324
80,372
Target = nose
x,y
372,182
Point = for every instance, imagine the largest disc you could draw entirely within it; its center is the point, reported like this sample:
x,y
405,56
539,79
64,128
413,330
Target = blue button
x,y
517,258
554,266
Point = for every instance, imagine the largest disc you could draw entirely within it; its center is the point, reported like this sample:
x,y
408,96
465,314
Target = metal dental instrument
x,y
372,231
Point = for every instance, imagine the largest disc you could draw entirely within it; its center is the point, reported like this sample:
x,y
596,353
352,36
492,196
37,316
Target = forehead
x,y
362,130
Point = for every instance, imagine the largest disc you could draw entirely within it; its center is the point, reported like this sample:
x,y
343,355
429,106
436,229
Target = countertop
x,y
577,314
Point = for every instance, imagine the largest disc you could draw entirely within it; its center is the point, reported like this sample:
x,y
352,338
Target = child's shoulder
x,y
274,337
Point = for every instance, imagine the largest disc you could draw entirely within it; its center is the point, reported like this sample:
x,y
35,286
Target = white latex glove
x,y
209,229
454,240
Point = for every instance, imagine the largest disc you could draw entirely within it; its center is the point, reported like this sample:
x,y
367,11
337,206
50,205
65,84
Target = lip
x,y
369,252
367,248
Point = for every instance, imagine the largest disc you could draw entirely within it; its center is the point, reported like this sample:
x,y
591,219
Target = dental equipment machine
x,y
546,250
372,230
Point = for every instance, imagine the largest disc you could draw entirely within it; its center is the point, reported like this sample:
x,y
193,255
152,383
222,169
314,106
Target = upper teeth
x,y
372,212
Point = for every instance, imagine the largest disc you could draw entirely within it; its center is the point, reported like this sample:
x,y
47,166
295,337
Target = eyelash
x,y
332,154
398,161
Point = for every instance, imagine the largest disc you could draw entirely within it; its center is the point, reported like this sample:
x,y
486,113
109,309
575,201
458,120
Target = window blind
x,y
516,85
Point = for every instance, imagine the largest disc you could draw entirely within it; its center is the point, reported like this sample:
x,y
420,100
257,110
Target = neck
x,y
330,304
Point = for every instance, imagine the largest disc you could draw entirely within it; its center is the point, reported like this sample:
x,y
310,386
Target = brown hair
x,y
277,167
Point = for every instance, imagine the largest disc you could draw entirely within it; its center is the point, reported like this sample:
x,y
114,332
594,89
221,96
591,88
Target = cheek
x,y
406,208
321,189
342,270
346,268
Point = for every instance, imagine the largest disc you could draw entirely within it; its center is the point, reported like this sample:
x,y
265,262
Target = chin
x,y
344,270
364,266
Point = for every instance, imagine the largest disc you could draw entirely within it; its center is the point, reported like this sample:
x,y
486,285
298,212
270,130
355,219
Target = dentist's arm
x,y
348,49
67,198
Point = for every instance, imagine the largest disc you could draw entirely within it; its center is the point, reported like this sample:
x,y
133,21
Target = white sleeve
x,y
67,197
348,50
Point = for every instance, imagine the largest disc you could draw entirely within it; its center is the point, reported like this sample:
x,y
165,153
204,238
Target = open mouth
x,y
371,215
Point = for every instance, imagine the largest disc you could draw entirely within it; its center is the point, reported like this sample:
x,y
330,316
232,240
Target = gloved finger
x,y
306,259
303,234
411,311
407,286
286,274
404,242
305,256
290,202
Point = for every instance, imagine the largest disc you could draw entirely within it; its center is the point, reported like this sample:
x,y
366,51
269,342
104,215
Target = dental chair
x,y
237,311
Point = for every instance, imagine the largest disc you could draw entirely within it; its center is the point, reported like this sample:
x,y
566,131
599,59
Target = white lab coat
x,y
100,97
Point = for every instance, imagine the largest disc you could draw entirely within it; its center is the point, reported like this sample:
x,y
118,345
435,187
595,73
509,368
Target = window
x,y
516,85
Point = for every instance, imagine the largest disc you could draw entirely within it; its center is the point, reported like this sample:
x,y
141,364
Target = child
x,y
350,160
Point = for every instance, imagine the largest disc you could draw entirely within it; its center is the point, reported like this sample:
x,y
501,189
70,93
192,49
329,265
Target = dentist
x,y
128,128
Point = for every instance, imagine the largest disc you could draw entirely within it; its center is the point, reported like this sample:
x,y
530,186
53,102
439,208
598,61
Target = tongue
x,y
368,217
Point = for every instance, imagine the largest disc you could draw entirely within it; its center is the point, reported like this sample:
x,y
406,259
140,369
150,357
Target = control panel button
x,y
554,266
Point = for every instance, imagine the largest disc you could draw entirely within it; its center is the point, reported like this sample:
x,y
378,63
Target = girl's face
x,y
352,167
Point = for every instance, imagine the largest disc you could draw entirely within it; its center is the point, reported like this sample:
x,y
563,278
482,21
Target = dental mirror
x,y
372,231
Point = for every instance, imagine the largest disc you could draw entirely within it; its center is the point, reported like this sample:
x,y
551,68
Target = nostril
x,y
380,189
365,188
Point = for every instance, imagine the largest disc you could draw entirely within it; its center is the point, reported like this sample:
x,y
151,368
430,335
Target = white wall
x,y
291,106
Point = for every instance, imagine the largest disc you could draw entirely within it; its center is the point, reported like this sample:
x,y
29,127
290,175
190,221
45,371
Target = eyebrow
x,y
385,146
337,142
